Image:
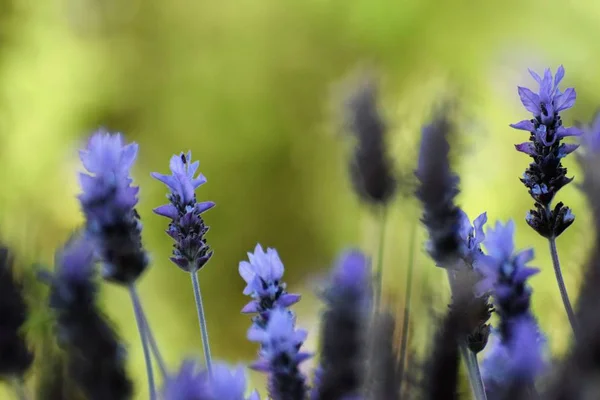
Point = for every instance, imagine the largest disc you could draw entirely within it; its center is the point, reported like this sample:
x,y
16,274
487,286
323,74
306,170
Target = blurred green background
x,y
247,86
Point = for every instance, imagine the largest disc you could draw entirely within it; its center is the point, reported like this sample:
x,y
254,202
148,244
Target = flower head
x,y
438,187
505,271
545,176
348,299
95,357
280,355
518,354
549,101
108,201
516,358
187,227
371,169
263,273
192,383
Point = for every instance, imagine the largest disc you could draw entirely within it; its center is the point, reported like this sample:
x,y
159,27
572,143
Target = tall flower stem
x,y
469,357
561,286
19,387
139,317
408,292
380,254
154,346
201,320
474,372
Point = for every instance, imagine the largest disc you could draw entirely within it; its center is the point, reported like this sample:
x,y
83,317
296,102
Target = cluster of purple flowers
x,y
358,358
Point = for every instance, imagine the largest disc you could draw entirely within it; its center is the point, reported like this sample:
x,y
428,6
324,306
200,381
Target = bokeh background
x,y
251,88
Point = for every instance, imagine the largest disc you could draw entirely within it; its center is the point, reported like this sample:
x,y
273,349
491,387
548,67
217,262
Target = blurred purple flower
x,y
263,273
94,354
108,201
348,299
518,355
187,227
517,359
280,355
15,355
590,139
193,383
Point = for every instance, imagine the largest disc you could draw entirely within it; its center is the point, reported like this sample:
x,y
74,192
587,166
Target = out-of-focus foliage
x,y
247,85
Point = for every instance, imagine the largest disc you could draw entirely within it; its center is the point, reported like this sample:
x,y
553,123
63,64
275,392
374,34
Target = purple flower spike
x,y
280,355
263,273
544,147
108,201
517,357
187,227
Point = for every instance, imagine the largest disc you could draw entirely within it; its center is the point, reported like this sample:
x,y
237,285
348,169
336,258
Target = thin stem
x,y
406,317
469,357
474,372
202,321
154,346
380,253
561,286
19,386
137,308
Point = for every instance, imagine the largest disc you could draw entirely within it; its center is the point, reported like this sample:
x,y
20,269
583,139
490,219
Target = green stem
x,y
154,346
380,253
19,386
407,291
201,320
561,286
137,308
469,357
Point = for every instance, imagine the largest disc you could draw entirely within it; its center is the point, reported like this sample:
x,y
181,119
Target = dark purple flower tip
x,y
182,182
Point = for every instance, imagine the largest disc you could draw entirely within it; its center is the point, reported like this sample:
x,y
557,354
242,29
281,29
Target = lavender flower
x,y
15,356
108,202
589,161
436,191
263,273
370,168
187,228
348,298
96,359
518,359
280,355
192,383
454,244
545,176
